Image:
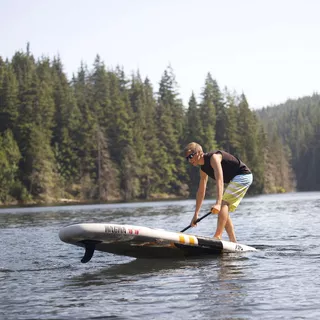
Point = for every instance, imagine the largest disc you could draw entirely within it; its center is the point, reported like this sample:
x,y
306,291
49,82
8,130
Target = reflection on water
x,y
42,278
213,281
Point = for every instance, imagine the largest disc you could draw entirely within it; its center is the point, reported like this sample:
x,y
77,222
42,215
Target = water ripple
x,y
42,278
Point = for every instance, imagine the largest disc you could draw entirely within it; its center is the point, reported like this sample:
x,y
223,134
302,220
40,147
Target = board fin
x,y
90,246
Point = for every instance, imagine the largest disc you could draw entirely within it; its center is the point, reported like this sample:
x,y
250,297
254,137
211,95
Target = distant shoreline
x,y
70,202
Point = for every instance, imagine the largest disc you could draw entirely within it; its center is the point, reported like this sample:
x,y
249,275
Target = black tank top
x,y
231,166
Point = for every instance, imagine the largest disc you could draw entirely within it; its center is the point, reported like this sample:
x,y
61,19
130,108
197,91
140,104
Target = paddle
x,y
198,220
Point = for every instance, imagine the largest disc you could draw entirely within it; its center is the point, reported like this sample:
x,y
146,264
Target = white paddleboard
x,y
143,242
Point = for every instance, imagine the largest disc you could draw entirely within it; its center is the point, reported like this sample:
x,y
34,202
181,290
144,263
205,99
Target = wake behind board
x,y
143,242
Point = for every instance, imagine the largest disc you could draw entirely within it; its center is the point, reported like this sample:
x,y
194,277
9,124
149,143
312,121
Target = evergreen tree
x,y
129,182
233,140
34,125
67,120
194,130
208,115
8,98
278,174
249,133
296,123
25,71
101,91
140,127
101,106
170,119
194,133
2,70
104,137
119,129
86,137
151,178
120,126
42,176
9,160
220,125
107,175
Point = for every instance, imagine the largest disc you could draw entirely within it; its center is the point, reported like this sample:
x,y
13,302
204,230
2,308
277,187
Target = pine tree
x,y
170,119
119,129
233,140
9,160
2,70
120,126
249,134
101,102
67,119
42,176
208,115
25,70
151,178
194,134
107,175
34,125
140,127
101,91
194,130
129,182
220,125
8,98
86,137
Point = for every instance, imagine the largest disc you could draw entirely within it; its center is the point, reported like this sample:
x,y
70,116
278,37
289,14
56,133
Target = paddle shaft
x,y
198,220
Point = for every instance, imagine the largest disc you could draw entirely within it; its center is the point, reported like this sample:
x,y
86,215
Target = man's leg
x,y
232,196
223,217
230,230
225,222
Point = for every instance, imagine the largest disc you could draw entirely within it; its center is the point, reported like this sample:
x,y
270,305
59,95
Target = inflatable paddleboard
x,y
143,242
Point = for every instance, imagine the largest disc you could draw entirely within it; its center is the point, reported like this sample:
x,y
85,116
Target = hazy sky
x,y
267,49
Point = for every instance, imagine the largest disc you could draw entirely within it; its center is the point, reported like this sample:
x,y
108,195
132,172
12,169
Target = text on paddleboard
x,y
120,230
115,229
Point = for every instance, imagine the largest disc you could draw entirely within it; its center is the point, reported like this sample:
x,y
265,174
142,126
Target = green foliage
x,y
208,115
42,176
104,137
232,142
170,126
297,123
9,159
8,98
67,125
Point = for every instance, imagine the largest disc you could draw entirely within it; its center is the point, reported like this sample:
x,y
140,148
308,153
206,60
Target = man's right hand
x,y
215,209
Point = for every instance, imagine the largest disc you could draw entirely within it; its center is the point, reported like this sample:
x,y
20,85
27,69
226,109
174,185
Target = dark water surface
x,y
42,277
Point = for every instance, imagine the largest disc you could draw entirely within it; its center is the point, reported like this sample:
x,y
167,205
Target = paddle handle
x,y
198,220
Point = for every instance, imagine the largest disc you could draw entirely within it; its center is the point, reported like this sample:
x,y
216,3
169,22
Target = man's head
x,y
193,152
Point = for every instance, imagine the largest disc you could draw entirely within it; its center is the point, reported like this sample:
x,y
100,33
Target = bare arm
x,y
200,195
215,162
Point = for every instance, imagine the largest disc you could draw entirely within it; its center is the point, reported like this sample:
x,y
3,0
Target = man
x,y
224,168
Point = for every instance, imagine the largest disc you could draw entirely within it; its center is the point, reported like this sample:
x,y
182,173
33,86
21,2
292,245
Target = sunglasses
x,y
190,156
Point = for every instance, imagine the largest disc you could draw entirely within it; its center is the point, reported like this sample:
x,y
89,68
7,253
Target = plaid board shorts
x,y
236,190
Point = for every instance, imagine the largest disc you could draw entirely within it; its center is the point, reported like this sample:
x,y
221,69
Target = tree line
x,y
105,136
296,124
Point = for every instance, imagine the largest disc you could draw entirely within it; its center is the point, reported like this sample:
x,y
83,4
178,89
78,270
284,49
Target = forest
x,y
296,123
104,136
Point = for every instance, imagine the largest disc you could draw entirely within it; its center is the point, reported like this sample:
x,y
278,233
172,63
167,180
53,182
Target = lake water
x,y
42,277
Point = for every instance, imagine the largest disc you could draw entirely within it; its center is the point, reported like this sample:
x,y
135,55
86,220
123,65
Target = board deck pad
x,y
143,242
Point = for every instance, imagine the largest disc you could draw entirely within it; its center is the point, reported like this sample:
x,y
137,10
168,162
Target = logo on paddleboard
x,y
115,229
238,247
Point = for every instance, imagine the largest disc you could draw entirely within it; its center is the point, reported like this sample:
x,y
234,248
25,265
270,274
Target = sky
x,y
267,49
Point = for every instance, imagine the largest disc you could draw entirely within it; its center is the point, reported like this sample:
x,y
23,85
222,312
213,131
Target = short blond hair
x,y
193,147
